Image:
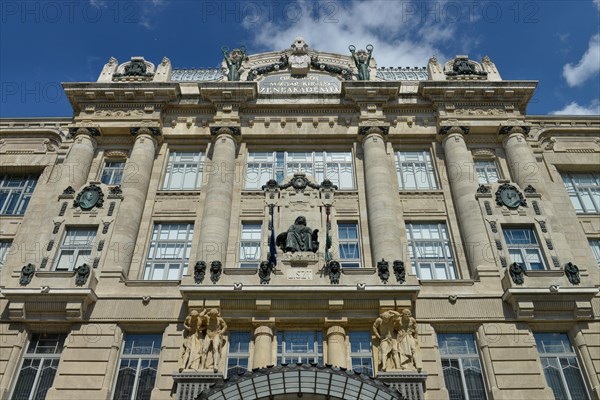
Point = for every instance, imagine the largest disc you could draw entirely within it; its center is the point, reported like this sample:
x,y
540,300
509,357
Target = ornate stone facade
x,y
447,228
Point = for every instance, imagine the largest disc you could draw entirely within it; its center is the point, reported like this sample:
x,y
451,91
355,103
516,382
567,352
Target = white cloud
x,y
588,66
574,108
597,3
402,36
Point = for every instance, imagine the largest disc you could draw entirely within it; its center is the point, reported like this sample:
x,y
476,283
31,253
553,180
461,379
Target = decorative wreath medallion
x,y
509,196
91,196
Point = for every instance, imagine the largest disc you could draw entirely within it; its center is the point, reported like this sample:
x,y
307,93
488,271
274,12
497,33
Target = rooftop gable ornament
x,y
136,67
234,62
462,66
362,58
299,60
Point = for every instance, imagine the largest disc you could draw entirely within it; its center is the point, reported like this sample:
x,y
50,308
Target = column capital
x,y
511,129
84,130
225,130
335,330
448,130
145,130
370,129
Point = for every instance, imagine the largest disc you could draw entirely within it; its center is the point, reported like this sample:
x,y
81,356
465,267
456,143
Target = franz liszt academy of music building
x,y
300,224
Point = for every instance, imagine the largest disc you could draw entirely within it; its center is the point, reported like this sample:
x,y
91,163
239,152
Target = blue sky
x,y
44,43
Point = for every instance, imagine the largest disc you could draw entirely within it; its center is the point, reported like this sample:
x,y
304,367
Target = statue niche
x,y
298,238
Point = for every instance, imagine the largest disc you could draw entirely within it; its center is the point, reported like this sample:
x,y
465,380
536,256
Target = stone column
x,y
463,183
76,167
336,346
135,190
216,217
72,172
524,168
382,194
578,339
263,346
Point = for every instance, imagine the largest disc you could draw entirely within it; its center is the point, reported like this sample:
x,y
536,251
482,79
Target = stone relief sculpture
x,y
298,237
203,341
190,349
362,58
398,341
234,62
516,272
299,59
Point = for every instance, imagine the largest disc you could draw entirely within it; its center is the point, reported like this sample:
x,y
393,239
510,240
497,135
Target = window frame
x,y
428,164
77,249
186,246
238,355
486,170
349,262
361,354
42,358
461,358
246,262
558,356
174,158
25,192
451,268
595,247
5,245
577,191
284,356
113,171
523,249
140,357
280,164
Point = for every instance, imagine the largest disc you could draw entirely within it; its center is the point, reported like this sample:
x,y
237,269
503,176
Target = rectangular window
x,y
361,357
239,353
39,367
415,170
250,245
300,346
430,251
15,193
523,248
4,249
169,251
319,165
584,192
112,173
137,367
348,245
561,368
595,246
461,367
487,171
184,171
76,248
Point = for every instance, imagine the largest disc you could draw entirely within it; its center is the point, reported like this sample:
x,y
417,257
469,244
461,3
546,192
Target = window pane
x,y
168,251
584,191
415,170
15,193
430,250
184,171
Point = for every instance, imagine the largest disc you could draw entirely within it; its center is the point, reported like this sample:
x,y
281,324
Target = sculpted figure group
x,y
203,340
399,341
